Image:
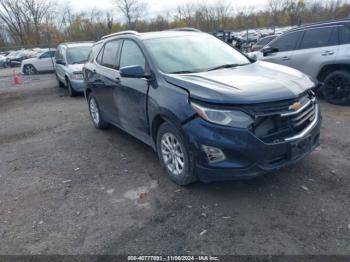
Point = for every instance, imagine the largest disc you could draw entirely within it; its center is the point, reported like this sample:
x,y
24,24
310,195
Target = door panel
x,y
318,47
284,45
131,95
281,58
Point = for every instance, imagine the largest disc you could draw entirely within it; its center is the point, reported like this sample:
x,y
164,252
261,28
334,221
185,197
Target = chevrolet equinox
x,y
207,110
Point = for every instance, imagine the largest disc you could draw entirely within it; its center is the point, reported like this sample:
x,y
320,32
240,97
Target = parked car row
x,y
247,40
15,58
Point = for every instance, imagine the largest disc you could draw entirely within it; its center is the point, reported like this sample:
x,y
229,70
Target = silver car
x,y
70,59
321,51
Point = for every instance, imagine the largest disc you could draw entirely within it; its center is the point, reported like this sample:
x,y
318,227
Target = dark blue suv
x,y
210,112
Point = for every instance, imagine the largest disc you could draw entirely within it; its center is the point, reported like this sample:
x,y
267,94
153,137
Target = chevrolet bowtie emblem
x,y
295,107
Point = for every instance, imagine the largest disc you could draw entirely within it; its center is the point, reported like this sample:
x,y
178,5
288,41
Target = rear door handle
x,y
285,58
117,79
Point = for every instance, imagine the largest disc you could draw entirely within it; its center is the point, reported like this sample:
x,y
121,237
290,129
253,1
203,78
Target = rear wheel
x,y
95,114
29,70
174,155
336,89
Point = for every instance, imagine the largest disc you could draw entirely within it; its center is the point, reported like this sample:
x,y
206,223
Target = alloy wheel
x,y
95,114
337,88
172,154
29,70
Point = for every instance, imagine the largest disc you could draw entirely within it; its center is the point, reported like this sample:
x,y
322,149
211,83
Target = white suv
x,y
43,62
322,51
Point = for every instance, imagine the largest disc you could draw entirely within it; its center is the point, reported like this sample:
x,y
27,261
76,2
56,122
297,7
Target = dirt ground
x,y
67,188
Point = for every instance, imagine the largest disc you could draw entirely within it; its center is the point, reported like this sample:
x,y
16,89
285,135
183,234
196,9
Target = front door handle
x,y
117,79
328,53
285,58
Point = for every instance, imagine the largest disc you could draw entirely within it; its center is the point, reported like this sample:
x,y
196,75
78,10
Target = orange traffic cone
x,y
16,78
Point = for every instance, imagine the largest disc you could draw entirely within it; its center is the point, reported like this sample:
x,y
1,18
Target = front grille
x,y
301,120
276,125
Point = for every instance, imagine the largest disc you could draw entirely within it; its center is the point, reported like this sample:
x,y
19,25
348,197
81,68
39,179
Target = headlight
x,y
78,76
233,118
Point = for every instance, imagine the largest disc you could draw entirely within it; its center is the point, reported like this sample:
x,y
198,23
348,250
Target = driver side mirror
x,y
60,62
133,72
268,50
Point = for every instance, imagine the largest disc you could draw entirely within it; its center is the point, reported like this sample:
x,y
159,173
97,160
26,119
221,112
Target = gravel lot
x,y
67,188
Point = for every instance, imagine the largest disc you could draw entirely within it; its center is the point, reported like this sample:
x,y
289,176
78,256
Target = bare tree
x,y
23,18
133,10
276,8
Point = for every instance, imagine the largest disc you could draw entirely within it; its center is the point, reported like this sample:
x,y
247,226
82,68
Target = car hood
x,y
76,67
258,82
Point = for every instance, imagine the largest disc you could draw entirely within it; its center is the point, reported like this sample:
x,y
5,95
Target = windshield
x,y
78,55
195,53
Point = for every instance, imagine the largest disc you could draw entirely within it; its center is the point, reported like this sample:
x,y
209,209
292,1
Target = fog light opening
x,y
214,155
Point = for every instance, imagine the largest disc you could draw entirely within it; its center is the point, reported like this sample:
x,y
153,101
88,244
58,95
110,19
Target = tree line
x,y
38,22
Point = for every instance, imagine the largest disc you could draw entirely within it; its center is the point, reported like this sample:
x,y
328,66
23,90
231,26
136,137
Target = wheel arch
x,y
327,69
159,119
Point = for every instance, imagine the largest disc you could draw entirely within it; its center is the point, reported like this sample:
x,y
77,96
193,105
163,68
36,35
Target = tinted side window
x,y
110,54
286,42
319,37
344,35
131,55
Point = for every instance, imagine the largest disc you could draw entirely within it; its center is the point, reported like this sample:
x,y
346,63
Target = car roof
x,y
157,34
321,24
77,44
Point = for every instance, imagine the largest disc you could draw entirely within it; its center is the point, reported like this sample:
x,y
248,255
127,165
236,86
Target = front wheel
x,y
95,114
59,83
29,70
336,89
71,91
174,155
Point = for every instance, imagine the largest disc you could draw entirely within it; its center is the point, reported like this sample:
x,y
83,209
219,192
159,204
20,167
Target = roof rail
x,y
189,29
77,42
128,32
324,22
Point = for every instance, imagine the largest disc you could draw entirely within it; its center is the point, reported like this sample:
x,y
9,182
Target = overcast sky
x,y
154,6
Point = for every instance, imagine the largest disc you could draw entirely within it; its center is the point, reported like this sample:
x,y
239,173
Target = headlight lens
x,y
233,118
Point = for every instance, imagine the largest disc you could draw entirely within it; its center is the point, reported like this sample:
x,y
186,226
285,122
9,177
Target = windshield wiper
x,y
182,72
223,66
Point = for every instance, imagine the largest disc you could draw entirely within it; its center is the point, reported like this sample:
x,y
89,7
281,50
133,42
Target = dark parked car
x,y
208,111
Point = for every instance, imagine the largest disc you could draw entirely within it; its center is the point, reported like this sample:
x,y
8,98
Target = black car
x,y
209,111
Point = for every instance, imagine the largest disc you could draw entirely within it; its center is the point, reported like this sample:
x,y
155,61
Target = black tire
x,y
71,91
336,88
59,83
101,123
188,175
29,70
